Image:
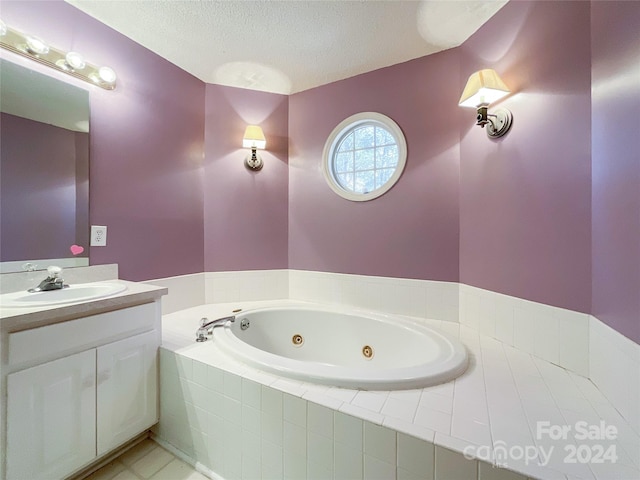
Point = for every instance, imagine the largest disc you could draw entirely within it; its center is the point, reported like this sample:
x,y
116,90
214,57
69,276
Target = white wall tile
x,y
272,402
251,445
443,301
490,472
232,386
573,340
487,314
524,329
272,429
546,335
251,468
295,466
215,379
348,430
320,420
295,410
614,366
348,462
380,442
375,469
451,465
272,466
251,393
251,419
470,308
233,411
200,373
295,439
320,451
504,321
185,291
416,456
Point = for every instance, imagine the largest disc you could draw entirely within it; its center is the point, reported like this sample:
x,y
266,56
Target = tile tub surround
x,y
575,341
237,421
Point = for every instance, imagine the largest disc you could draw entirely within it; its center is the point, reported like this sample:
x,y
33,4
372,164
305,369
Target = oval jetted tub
x,y
343,348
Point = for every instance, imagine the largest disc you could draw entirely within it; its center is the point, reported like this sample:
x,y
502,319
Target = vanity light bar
x,y
71,63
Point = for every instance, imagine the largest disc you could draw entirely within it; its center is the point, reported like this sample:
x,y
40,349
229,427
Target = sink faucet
x,y
207,326
53,281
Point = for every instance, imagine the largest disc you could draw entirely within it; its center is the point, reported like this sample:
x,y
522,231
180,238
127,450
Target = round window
x,y
364,156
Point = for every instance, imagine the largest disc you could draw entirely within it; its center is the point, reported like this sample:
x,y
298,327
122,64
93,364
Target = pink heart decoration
x,y
76,249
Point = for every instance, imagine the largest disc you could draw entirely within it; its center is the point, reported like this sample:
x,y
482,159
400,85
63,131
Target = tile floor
x,y
147,461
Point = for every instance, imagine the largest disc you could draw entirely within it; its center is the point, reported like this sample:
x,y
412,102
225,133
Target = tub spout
x,y
207,326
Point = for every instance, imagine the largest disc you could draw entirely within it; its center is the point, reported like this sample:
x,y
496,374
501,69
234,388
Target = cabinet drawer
x,y
45,343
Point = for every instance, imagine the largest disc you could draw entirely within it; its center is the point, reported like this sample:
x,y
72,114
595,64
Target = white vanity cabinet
x,y
49,407
65,412
127,380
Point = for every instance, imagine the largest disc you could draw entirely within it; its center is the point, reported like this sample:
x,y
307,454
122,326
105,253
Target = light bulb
x,y
107,75
75,60
37,46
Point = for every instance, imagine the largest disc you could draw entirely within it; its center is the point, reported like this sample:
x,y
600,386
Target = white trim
x,y
338,133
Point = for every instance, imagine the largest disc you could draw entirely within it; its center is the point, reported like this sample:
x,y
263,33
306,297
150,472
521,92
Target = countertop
x,y
23,318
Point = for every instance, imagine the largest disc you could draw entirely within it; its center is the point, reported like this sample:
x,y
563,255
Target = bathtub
x,y
343,348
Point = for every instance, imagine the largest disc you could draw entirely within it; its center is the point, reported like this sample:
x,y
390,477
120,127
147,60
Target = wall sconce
x,y
253,139
483,88
71,63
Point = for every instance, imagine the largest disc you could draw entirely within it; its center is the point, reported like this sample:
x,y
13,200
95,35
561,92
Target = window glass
x,y
364,156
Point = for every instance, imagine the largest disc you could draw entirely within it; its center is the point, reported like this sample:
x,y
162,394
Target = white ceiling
x,y
286,46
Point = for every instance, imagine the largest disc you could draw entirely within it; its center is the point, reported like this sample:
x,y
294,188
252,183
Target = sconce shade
x,y
254,138
483,88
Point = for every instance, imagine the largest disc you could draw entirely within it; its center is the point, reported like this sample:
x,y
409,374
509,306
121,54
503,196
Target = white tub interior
x,y
343,348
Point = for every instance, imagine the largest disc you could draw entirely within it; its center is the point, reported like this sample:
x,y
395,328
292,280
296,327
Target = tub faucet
x,y
207,326
53,281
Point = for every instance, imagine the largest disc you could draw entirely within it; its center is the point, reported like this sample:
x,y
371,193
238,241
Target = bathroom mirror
x,y
44,171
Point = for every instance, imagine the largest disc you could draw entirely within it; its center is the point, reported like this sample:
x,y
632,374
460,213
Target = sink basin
x,y
74,293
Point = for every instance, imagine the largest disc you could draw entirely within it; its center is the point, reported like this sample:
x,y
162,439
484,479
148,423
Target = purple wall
x,y
245,222
412,230
616,165
525,199
147,141
38,191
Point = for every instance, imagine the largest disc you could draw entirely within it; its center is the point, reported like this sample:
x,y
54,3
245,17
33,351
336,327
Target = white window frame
x,y
343,129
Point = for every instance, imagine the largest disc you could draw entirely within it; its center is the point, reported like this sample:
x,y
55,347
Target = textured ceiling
x,y
290,46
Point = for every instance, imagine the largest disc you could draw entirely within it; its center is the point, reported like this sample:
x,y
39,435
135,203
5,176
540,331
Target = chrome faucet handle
x,y
201,334
54,272
29,267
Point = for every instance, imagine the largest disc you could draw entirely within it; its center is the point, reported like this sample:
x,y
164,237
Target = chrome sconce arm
x,y
497,123
253,161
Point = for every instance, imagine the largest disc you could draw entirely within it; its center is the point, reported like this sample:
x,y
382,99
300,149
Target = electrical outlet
x,y
98,236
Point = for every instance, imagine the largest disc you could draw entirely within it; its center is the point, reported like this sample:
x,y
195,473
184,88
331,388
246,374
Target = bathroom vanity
x,y
79,380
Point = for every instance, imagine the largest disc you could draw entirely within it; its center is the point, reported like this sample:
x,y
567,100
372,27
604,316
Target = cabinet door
x,y
51,412
127,389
